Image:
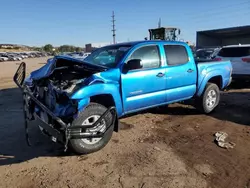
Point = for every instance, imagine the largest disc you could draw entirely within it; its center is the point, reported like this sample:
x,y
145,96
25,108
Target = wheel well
x,y
106,100
216,80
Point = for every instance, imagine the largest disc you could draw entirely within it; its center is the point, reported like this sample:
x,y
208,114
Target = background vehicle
x,y
205,54
24,55
15,56
79,102
4,57
8,57
79,55
239,55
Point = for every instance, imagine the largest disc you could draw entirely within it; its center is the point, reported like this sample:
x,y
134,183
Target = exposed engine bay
x,y
53,90
67,74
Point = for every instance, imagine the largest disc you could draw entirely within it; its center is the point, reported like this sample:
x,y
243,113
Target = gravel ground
x,y
165,147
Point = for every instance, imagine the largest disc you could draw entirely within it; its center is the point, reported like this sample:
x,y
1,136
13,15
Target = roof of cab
x,y
133,43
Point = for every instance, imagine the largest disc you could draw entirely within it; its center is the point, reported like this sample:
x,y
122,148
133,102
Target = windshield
x,y
108,56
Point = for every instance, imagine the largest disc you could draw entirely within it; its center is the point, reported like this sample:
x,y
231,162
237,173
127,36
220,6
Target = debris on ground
x,y
220,140
156,148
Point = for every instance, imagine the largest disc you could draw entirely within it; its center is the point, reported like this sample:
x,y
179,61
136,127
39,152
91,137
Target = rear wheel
x,y
88,117
209,100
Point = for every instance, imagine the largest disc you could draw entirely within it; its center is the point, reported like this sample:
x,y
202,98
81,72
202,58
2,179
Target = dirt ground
x,y
166,147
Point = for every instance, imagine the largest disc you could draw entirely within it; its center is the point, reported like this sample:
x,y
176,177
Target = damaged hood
x,y
49,67
96,74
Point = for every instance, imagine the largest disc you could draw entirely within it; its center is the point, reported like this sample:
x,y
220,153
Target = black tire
x,y
201,102
78,146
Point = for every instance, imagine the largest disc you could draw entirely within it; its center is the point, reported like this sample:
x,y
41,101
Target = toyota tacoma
x,y
78,102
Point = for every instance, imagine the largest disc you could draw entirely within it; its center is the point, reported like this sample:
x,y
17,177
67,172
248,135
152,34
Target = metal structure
x,y
222,37
113,26
164,33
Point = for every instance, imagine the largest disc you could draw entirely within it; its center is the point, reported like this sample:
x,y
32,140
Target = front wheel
x,y
88,117
209,100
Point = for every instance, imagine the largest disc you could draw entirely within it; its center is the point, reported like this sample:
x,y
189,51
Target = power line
x,y
113,26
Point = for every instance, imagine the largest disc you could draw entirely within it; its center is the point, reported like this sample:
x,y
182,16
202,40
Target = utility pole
x,y
113,26
159,23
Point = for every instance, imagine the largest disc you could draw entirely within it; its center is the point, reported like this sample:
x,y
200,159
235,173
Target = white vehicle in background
x,y
3,56
239,55
2,59
23,55
15,57
79,55
86,54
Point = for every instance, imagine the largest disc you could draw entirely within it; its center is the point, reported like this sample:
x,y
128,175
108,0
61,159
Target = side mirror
x,y
132,65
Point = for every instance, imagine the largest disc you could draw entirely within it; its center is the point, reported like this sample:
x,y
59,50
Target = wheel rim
x,y
211,99
92,131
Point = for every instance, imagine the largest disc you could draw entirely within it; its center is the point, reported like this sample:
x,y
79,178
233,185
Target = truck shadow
x,y
13,147
240,84
234,106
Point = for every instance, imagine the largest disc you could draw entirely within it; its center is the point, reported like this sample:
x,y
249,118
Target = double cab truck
x,y
79,102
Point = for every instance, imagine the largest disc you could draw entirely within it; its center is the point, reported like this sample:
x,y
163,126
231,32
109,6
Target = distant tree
x,y
48,48
67,48
78,49
37,49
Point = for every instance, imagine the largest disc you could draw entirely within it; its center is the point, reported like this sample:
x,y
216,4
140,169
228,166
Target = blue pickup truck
x,y
78,102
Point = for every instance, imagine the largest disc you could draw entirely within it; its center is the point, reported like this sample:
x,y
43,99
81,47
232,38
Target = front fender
x,y
83,95
206,78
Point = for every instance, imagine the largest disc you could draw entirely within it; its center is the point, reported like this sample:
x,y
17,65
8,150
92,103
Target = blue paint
x,y
44,71
142,89
82,103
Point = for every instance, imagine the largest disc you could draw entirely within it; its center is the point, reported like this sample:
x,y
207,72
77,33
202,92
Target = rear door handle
x,y
160,74
190,70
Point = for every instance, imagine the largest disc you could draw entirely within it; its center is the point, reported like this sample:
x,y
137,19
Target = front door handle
x,y
160,74
190,70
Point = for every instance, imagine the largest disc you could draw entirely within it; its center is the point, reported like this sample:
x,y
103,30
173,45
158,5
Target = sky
x,y
77,22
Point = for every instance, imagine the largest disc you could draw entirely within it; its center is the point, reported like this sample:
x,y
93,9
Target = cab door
x,y
144,87
181,72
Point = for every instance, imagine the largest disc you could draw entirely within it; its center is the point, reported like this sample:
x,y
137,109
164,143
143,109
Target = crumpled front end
x,y
54,83
47,97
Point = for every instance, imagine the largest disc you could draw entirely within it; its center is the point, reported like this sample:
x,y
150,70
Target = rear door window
x,y
234,52
176,55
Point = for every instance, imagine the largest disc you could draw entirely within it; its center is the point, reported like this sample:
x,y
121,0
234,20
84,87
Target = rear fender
x,y
206,78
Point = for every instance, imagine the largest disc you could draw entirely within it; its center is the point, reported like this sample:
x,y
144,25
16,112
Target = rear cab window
x,y
176,54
